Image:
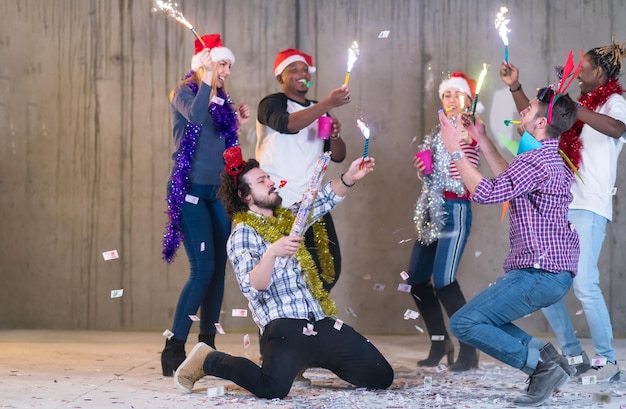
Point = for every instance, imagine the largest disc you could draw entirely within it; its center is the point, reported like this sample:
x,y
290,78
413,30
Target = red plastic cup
x,y
427,160
324,125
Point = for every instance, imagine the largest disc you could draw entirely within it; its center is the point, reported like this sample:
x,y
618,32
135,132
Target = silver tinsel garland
x,y
429,215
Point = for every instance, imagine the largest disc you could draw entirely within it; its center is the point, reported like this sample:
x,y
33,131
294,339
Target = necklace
x,y
273,228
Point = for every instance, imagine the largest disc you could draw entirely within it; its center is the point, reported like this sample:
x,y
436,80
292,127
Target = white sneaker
x,y
607,373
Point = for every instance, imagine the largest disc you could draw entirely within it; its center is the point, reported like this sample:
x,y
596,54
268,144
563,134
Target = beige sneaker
x,y
191,371
607,373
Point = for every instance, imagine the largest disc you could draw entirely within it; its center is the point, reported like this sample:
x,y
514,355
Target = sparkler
x,y
172,10
481,78
501,25
366,134
353,54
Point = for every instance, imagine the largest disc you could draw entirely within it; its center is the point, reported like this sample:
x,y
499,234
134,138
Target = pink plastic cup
x,y
324,124
427,160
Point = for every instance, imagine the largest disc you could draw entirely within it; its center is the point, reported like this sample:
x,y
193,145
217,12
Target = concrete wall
x,y
85,142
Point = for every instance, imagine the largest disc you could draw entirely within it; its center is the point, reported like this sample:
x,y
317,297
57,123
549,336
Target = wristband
x,y
344,182
516,89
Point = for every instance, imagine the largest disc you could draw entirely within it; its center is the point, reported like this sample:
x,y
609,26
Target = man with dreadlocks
x,y
593,144
287,300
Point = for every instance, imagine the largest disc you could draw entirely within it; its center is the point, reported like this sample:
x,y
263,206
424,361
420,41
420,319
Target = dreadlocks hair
x,y
232,193
564,111
609,57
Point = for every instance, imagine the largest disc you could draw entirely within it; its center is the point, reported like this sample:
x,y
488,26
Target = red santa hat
x,y
286,57
458,80
218,52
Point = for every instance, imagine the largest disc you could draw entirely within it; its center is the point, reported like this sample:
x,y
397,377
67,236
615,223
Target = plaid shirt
x,y
537,185
287,295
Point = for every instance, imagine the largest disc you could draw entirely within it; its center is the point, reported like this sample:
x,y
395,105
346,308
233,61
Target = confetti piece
x,y
437,337
411,315
601,397
417,327
217,100
239,312
404,241
612,191
405,288
117,293
191,199
579,312
282,184
379,287
384,34
601,361
338,324
219,328
214,392
194,317
168,334
574,360
441,368
589,380
477,253
309,330
350,311
110,255
428,383
202,246
367,277
246,341
404,275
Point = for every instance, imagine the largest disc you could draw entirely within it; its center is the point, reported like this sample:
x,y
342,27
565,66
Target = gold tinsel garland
x,y
273,228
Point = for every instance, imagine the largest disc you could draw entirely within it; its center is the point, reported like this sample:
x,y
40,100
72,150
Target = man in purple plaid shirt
x,y
544,247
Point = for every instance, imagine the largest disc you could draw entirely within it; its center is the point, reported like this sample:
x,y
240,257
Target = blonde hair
x,y
197,79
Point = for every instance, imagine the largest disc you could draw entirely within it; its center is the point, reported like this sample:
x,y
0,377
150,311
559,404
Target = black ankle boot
x,y
438,349
467,359
452,299
548,377
428,306
172,356
208,339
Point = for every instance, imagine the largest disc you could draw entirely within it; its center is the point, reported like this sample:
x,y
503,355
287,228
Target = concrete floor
x,y
89,369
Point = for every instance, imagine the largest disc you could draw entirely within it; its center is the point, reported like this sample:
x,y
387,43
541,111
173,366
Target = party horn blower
x,y
501,23
172,10
353,54
479,85
508,122
366,134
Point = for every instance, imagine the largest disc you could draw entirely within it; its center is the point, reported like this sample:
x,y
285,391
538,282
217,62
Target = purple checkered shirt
x,y
537,185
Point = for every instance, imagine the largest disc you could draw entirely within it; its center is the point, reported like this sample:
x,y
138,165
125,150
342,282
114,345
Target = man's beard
x,y
268,202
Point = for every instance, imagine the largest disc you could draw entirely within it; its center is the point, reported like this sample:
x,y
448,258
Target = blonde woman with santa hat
x,y
205,125
443,218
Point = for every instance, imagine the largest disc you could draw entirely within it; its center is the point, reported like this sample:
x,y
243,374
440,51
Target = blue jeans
x,y
591,229
206,227
486,321
441,258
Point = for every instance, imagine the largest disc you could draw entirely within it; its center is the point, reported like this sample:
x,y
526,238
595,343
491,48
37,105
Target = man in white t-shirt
x,y
593,144
288,146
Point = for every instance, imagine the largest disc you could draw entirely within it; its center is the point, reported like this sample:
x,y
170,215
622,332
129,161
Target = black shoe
x,y
559,359
548,377
468,359
438,349
172,356
208,339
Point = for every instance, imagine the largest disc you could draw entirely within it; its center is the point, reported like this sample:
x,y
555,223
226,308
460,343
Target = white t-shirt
x,y
599,163
290,157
